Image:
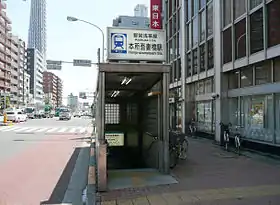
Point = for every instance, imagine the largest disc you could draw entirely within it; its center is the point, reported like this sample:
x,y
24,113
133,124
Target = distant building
x,y
72,101
141,10
52,86
37,33
35,67
132,22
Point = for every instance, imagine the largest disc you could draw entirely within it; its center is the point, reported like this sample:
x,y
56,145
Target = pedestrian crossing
x,y
49,130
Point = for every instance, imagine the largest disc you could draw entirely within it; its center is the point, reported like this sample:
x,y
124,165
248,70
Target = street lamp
x,y
71,18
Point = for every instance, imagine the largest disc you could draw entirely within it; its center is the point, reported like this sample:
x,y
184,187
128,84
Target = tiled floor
x,y
210,176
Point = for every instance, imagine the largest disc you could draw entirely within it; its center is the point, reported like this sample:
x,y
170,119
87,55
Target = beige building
x,y
5,52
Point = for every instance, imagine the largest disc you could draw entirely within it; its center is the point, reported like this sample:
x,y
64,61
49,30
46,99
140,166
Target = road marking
x,y
10,129
72,130
42,129
82,129
4,128
20,129
52,129
62,129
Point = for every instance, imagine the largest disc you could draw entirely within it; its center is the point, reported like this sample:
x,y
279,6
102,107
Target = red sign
x,y
156,9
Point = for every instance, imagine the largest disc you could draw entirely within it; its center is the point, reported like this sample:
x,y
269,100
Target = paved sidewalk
x,y
210,176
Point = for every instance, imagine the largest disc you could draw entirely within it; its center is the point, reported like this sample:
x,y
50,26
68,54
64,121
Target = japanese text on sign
x,y
156,22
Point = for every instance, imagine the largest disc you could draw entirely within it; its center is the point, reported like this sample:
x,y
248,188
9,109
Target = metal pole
x,y
103,37
23,85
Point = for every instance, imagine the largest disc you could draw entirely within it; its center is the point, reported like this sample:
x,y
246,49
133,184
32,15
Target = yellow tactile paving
x,y
109,203
182,197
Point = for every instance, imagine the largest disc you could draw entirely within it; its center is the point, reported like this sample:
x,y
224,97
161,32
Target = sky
x,y
72,40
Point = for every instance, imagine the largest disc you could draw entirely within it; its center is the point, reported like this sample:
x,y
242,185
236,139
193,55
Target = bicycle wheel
x,y
173,158
184,150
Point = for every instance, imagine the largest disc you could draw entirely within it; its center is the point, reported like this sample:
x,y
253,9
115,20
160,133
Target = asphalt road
x,y
44,160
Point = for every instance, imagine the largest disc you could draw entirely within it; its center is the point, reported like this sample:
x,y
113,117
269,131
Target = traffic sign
x,y
54,62
83,63
54,65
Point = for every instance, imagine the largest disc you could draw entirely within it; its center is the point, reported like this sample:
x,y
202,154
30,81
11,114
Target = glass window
x,y
256,40
189,10
263,73
195,31
273,10
227,46
202,25
239,8
202,3
277,69
209,85
246,77
255,3
210,54
190,36
189,65
210,19
195,62
227,12
195,7
233,80
202,58
277,118
200,112
240,39
233,111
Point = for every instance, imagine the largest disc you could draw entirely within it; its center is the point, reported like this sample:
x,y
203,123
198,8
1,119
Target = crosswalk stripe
x,y
72,130
42,129
21,129
52,129
82,130
10,129
33,129
4,128
62,129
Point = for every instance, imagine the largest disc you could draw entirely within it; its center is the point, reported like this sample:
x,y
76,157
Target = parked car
x,y
65,114
16,116
77,114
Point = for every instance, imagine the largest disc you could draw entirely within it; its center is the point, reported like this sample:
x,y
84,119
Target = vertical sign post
x,y
156,10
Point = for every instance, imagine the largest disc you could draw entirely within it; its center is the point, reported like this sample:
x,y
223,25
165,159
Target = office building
x,y
72,102
20,79
5,53
35,67
131,22
37,27
141,10
227,71
52,85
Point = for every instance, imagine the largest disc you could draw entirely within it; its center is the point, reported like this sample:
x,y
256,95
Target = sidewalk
x,y
210,176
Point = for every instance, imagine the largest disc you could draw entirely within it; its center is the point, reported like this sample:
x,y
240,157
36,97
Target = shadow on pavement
x,y
62,184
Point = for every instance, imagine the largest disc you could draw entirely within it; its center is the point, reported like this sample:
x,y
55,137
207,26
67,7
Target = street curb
x,y
91,185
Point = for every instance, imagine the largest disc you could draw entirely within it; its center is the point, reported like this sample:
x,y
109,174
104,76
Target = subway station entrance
x,y
132,123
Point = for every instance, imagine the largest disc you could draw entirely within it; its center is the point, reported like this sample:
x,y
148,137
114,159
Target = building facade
x,y
132,22
52,89
225,55
35,67
141,10
72,102
5,54
38,27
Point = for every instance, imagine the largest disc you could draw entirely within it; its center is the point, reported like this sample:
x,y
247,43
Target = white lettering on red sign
x,y
155,14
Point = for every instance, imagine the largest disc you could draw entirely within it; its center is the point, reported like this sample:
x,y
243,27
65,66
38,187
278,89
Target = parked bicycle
x,y
237,139
178,147
226,132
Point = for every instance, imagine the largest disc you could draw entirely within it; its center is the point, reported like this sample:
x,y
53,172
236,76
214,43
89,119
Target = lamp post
x,y
71,18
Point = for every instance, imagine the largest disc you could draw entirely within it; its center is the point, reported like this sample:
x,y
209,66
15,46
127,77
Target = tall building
x,y
72,102
141,10
37,27
52,89
132,22
35,67
20,79
227,71
5,54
